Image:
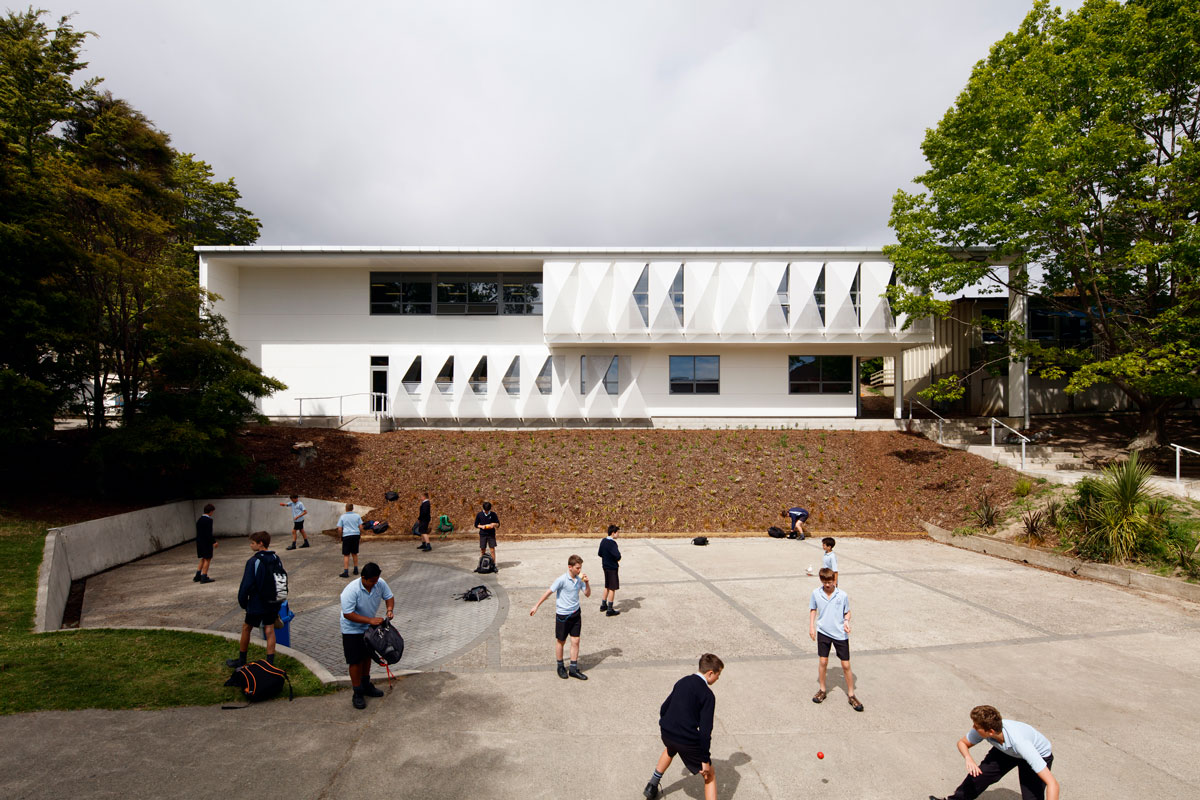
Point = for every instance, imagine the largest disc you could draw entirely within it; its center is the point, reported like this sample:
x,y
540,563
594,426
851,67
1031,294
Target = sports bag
x,y
385,642
776,533
416,529
700,541
486,564
391,497
260,680
272,579
476,593
444,525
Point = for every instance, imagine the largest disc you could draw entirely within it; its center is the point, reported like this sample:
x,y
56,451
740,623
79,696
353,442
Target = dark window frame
x,y
819,383
483,294
691,384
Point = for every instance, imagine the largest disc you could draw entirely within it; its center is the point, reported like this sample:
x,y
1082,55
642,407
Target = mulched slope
x,y
644,480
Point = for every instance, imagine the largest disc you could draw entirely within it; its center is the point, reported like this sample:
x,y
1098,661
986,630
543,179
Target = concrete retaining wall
x,y
1108,573
87,548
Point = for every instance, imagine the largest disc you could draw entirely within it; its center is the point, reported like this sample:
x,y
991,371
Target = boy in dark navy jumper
x,y
685,721
205,542
258,610
610,558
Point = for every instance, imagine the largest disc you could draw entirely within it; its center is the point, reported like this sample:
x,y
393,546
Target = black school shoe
x,y
206,579
356,570
305,544
358,701
196,578
574,673
604,606
651,791
612,612
344,574
291,546
562,671
369,690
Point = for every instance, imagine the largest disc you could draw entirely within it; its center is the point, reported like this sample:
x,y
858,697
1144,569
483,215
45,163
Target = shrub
x,y
1022,488
1032,521
1117,513
264,482
987,514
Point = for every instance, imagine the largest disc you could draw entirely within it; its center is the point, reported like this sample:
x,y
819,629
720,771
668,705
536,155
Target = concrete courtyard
x,y
1108,674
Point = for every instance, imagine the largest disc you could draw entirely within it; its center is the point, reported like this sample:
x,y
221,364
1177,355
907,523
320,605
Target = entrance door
x,y
379,384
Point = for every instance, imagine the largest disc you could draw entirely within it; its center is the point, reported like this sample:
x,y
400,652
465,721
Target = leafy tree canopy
x,y
1071,157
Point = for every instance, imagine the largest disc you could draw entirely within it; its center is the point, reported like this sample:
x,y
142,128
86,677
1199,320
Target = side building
x,y
495,336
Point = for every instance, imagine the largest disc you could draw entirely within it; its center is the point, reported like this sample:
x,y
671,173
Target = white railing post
x,y
993,428
1178,453
339,411
1022,454
302,412
939,430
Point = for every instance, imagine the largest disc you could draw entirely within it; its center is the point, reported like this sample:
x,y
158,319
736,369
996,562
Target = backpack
x,y
260,680
776,533
444,524
272,580
477,593
385,642
391,497
486,564
700,541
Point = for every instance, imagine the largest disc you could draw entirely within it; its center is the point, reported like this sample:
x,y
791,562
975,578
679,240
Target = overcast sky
x,y
552,123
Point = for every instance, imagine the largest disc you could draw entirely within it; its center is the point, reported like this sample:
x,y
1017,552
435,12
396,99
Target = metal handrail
x,y
380,396
1178,449
1024,438
941,419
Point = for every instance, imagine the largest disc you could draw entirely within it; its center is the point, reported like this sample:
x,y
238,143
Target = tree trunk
x,y
1152,426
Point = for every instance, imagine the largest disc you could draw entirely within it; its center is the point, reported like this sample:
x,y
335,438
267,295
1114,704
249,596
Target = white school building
x,y
560,336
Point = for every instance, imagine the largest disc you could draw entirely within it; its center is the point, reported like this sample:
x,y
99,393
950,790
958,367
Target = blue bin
x,y
283,635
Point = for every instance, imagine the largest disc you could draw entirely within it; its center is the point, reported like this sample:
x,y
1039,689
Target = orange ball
x,y
820,755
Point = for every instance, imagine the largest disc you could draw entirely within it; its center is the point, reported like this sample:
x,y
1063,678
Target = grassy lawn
x,y
103,668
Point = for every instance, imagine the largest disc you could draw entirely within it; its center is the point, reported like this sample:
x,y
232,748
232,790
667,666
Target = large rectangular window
x,y
695,374
820,374
484,293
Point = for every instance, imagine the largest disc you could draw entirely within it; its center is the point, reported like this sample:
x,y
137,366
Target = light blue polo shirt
x,y
357,600
829,561
1020,741
831,612
350,523
297,509
566,593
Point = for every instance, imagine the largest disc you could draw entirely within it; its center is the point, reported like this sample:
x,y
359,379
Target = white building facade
x,y
754,336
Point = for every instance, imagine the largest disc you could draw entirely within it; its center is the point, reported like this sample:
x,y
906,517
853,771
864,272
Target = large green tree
x,y
1071,157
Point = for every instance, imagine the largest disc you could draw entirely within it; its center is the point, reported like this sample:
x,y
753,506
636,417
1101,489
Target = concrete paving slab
x,y
1104,672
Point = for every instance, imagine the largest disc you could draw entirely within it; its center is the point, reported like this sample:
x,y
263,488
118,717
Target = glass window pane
x,y
683,368
612,376
708,368
682,387
837,368
804,388
545,378
708,387
835,388
803,368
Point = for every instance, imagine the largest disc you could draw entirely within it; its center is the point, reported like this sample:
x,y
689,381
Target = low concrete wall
x,y
87,548
1108,573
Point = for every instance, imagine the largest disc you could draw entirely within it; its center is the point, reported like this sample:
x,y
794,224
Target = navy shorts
x,y
350,545
611,581
355,648
204,549
256,618
297,524
840,646
487,539
423,526
567,625
692,758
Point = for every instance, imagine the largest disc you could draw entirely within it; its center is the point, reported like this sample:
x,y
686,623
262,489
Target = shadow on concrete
x,y
629,604
507,564
592,660
727,778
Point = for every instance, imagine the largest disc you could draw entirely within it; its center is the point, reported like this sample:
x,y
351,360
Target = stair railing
x,y
1024,439
1178,451
940,418
379,404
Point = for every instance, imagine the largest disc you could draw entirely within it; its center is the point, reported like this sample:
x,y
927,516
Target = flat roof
x,y
508,251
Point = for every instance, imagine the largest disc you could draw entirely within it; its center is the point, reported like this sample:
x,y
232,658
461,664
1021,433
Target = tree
x,y
1071,157
210,214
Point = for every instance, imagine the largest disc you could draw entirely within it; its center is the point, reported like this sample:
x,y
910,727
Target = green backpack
x,y
444,525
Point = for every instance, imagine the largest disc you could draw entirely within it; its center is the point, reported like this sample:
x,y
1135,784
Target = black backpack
x,y
700,541
476,593
260,680
272,579
416,529
391,497
486,564
385,642
776,533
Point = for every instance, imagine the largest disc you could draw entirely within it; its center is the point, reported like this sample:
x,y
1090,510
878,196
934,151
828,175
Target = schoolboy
x,y
829,560
205,543
352,528
610,562
424,515
487,522
798,517
685,722
1014,744
299,512
567,616
258,610
360,600
829,626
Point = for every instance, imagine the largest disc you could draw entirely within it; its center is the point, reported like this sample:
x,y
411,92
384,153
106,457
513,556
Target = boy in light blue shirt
x,y
351,526
299,512
1014,744
359,602
829,626
829,560
568,618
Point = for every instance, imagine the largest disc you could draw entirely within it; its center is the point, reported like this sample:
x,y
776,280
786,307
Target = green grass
x,y
104,668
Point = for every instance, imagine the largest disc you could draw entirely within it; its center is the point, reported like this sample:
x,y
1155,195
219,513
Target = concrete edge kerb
x,y
311,664
1107,573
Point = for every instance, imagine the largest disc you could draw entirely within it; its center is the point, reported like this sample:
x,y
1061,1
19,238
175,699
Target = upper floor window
x,y
819,294
677,294
484,293
512,378
641,295
695,374
820,374
782,295
545,377
855,299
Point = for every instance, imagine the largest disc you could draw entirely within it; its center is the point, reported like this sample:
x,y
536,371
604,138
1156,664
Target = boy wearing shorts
x,y
351,526
299,512
610,562
829,626
487,522
258,611
567,616
360,600
1014,744
424,515
798,516
205,542
685,721
829,560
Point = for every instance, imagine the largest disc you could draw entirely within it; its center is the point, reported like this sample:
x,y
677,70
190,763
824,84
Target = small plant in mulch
x,y
986,514
1033,523
1022,488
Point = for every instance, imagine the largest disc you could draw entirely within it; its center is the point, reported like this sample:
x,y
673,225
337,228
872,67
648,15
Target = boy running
x,y
1014,744
685,722
299,512
567,616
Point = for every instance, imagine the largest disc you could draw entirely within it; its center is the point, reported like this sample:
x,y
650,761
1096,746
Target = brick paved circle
x,y
436,627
